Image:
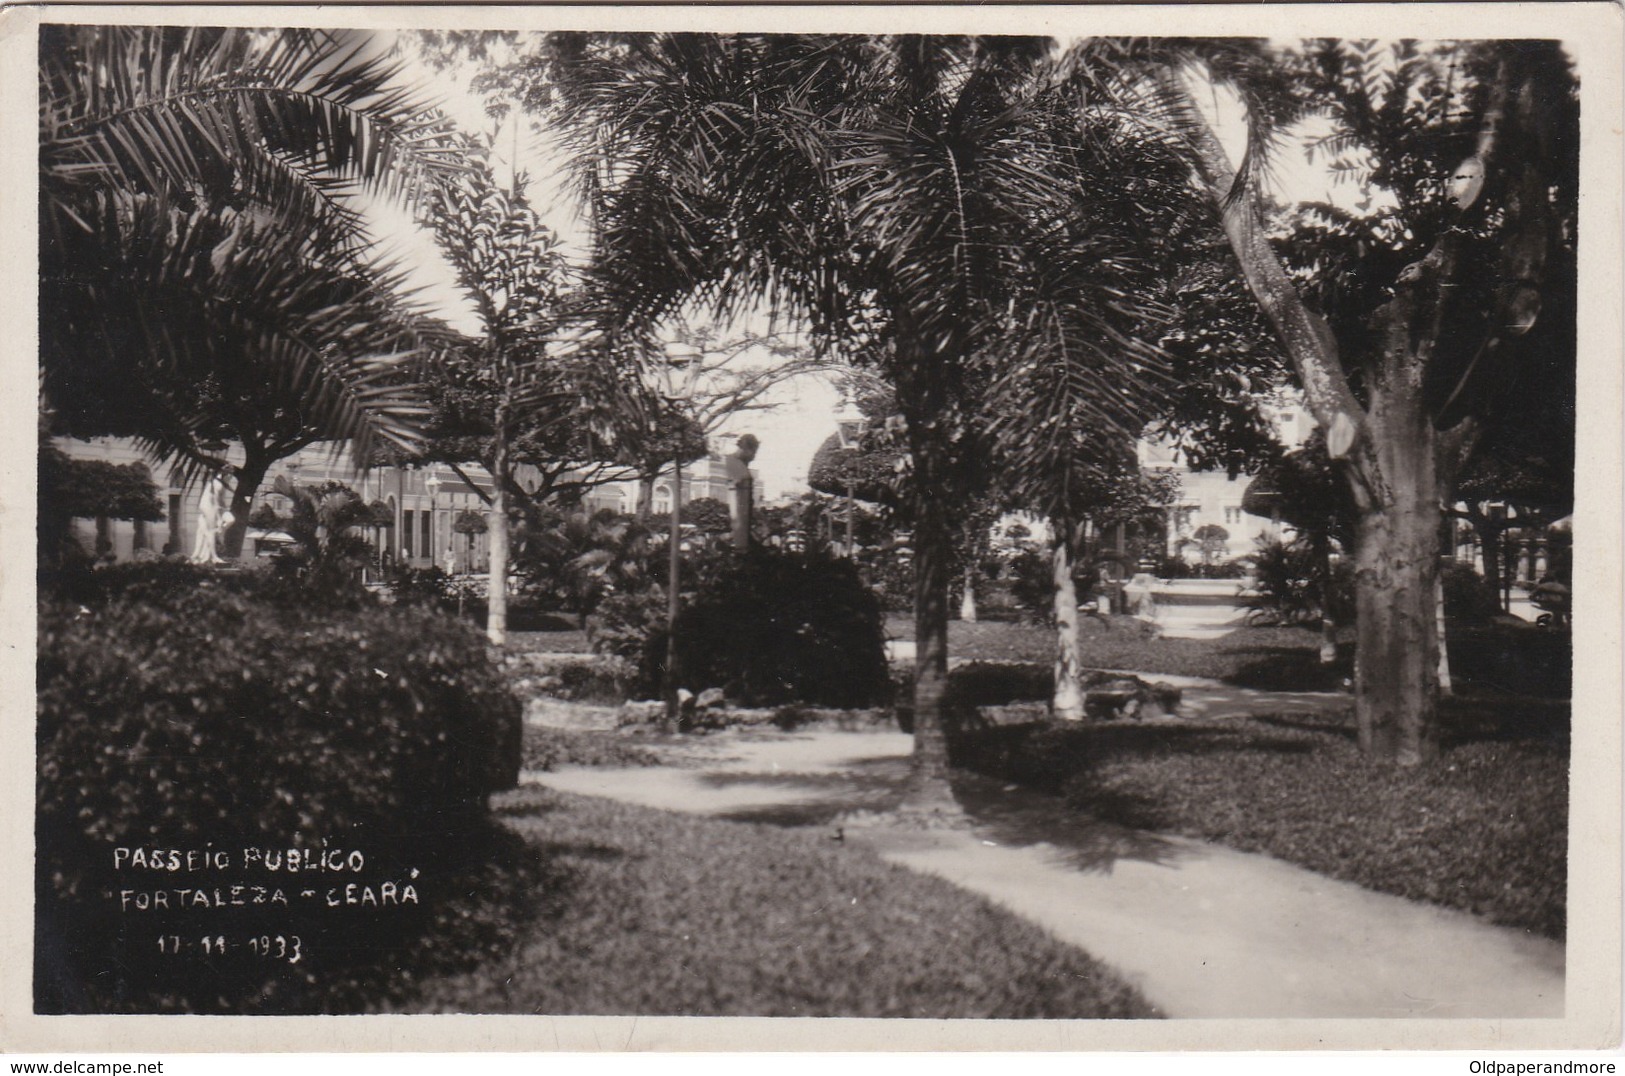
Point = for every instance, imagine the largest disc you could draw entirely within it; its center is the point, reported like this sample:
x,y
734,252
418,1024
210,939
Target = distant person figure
x,y
212,518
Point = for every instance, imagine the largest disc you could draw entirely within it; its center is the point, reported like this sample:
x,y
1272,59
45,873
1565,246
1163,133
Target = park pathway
x,y
1201,930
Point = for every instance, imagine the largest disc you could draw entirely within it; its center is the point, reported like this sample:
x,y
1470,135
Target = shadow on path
x,y
1202,930
1015,817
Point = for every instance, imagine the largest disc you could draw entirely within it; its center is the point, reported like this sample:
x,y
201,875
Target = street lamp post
x,y
682,366
849,426
432,484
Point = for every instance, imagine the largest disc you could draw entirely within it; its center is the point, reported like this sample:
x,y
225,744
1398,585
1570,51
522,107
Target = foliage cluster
x,y
184,711
1180,568
1484,828
1468,597
1294,583
72,489
327,554
767,627
572,559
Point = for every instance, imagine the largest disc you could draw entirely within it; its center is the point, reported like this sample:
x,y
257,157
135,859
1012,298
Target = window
x,y
406,532
1232,515
174,544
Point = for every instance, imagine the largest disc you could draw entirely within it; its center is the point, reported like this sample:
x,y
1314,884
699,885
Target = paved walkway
x,y
1203,931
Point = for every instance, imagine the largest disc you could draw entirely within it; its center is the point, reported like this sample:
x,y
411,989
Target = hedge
x,y
768,627
198,718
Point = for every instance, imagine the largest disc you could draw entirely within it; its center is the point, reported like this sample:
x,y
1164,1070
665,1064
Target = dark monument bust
x,y
744,495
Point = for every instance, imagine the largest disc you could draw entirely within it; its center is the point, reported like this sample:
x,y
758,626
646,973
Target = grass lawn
x,y
637,911
1272,658
546,748
1483,829
1500,658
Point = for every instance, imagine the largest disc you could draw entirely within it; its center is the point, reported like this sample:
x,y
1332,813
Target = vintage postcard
x,y
758,527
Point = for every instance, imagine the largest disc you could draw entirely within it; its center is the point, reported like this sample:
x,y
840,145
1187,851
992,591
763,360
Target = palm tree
x,y
908,196
326,523
202,256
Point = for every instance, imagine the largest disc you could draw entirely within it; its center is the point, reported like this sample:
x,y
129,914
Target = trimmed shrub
x,y
1292,585
600,678
1508,657
1467,595
200,718
768,627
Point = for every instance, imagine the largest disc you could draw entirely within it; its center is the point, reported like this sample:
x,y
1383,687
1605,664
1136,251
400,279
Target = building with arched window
x,y
1208,521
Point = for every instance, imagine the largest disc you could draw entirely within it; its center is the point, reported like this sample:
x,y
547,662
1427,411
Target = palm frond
x,y
190,323
288,121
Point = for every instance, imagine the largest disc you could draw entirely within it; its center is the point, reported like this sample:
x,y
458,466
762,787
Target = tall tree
x,y
888,189
72,489
202,259
1405,321
516,375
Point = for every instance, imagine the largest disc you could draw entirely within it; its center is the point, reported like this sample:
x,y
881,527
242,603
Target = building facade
x,y
422,503
1208,522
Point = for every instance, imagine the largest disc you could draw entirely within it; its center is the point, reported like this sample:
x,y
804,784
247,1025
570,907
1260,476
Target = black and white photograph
x,y
913,522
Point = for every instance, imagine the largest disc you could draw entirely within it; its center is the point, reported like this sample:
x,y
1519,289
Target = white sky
x,y
803,415
804,407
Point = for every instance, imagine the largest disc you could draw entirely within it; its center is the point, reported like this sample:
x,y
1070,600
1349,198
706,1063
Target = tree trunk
x,y
646,498
1328,624
923,395
1396,671
1067,702
496,610
1489,547
744,505
249,478
674,551
1445,688
932,549
967,600
1390,452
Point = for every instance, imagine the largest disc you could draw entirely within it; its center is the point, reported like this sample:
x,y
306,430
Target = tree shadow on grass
x,y
1052,788
819,798
1278,668
1050,757
1015,817
1485,717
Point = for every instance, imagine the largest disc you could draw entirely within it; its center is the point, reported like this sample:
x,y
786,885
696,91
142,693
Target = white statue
x,y
212,519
